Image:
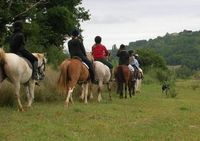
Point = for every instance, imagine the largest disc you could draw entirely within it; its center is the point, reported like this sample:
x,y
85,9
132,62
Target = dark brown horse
x,y
122,76
73,71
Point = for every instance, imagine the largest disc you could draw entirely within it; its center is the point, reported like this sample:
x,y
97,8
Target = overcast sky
x,y
123,21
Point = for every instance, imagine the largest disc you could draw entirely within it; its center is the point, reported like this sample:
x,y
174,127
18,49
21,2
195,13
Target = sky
x,y
123,21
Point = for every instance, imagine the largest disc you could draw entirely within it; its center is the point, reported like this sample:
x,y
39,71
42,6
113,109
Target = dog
x,y
165,88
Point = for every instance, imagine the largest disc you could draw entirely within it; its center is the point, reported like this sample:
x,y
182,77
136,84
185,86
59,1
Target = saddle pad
x,y
85,65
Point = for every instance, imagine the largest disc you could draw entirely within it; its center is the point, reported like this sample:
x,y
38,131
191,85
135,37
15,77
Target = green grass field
x,y
149,116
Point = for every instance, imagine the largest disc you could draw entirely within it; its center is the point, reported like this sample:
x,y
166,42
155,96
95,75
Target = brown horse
x,y
73,71
122,76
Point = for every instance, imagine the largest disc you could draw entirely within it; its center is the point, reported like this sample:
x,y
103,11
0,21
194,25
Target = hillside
x,y
177,48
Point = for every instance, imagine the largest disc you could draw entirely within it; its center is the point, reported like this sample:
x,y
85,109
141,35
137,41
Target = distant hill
x,y
177,48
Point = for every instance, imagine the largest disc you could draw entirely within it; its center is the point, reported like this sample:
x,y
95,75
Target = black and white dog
x,y
165,88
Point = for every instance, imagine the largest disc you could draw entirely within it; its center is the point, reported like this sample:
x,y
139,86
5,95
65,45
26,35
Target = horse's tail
x,y
63,77
2,56
120,74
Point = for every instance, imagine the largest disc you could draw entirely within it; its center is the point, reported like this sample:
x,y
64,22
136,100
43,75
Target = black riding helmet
x,y
75,32
18,25
97,39
122,47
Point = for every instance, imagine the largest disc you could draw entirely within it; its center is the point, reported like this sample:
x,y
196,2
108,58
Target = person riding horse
x,y
122,72
17,46
76,48
100,53
123,55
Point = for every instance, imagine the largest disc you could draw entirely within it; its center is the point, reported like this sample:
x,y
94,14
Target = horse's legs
x,y
69,93
120,90
17,90
109,90
91,90
71,99
82,92
31,87
130,88
86,91
126,90
100,86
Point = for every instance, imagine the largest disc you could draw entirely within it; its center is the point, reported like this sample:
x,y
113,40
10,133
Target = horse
x,y
18,70
72,72
131,84
138,83
102,76
122,76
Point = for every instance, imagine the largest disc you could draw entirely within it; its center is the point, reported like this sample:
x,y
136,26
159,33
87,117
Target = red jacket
x,y
99,51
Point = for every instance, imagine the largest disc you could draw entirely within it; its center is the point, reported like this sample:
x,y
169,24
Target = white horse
x,y
138,82
102,75
18,71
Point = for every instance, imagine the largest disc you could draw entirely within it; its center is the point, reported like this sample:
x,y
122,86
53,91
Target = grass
x,y
149,116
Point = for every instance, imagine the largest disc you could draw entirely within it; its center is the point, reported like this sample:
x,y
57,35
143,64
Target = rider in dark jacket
x,y
123,55
17,46
76,48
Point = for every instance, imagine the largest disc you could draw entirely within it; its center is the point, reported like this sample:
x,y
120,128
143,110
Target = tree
x,y
46,20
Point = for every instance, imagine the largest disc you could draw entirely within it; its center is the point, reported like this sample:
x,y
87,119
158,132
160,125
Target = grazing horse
x,y
122,76
18,71
102,75
73,71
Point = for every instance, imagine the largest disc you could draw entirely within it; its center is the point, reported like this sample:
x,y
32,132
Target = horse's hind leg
x,y
100,86
69,94
125,90
17,90
86,92
109,90
30,93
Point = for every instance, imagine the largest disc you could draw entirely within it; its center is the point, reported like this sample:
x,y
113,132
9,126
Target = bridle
x,y
41,69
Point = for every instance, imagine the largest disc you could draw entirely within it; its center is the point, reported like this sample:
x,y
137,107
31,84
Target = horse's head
x,y
42,60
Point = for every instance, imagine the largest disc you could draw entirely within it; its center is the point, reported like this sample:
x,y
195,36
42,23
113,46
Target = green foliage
x,y
177,48
55,56
183,72
46,21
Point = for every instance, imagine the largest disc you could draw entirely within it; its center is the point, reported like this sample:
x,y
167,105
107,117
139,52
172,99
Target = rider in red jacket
x,y
100,53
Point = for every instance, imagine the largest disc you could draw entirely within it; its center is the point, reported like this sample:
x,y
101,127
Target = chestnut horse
x,y
73,71
18,71
122,76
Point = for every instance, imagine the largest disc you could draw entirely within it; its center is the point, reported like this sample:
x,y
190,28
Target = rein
x,y
39,67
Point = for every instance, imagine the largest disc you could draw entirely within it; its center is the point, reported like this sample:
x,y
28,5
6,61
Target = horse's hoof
x,y
66,105
20,110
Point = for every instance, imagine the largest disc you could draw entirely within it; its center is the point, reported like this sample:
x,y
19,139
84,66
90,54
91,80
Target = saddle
x,y
28,62
76,57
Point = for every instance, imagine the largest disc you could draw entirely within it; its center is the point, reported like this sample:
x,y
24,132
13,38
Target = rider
x,y
76,48
100,53
134,63
123,55
17,46
137,63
